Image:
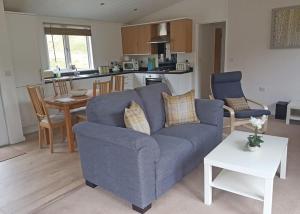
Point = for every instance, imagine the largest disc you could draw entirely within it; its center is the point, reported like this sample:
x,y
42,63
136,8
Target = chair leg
x,y
63,133
45,136
265,127
232,125
51,140
40,137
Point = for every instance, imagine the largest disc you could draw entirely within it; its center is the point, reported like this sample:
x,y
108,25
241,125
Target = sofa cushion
x,y
134,118
109,109
175,154
202,136
180,109
153,104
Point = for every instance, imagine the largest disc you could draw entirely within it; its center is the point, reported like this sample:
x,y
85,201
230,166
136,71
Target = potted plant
x,y
255,141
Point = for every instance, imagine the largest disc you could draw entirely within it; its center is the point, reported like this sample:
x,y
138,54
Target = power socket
x,y
261,89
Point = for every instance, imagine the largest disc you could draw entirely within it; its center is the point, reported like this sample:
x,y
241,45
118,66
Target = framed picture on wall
x,y
285,27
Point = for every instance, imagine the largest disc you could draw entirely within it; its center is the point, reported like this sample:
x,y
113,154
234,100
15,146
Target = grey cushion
x,y
109,109
153,103
249,113
227,85
202,136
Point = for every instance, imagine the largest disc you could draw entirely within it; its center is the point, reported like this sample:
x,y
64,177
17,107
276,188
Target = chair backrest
x,y
37,100
62,86
102,88
118,82
227,85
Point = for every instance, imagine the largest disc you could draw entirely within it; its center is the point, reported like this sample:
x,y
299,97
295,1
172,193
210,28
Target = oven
x,y
154,79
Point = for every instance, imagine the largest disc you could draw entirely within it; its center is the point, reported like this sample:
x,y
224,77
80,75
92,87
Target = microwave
x,y
131,66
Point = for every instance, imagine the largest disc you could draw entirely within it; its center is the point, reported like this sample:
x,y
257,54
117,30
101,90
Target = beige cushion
x,y
180,109
54,118
135,119
237,104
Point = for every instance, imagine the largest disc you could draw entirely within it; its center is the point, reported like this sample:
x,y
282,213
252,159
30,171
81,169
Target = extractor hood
x,y
162,34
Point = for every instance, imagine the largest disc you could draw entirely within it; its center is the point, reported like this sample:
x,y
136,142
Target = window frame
x,y
67,53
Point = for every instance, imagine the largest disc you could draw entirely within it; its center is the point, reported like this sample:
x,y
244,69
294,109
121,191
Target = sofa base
x,y
90,184
140,210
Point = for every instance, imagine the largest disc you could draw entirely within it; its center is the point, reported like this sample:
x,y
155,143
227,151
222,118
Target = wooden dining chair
x,y
62,86
46,123
118,82
102,88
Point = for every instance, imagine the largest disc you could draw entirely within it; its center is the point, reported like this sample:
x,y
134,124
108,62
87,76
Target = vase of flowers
x,y
255,141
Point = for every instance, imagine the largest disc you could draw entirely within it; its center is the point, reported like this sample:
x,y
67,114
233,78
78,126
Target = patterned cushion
x,y
135,119
180,109
237,104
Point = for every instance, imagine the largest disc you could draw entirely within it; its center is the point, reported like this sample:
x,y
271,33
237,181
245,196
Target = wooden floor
x,y
32,180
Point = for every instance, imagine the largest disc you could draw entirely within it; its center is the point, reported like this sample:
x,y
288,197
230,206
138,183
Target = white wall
x,y
9,110
276,72
29,52
202,12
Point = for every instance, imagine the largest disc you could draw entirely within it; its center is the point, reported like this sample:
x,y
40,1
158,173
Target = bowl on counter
x,y
78,92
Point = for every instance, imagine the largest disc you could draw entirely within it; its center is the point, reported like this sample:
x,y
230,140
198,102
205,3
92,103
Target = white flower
x,y
258,123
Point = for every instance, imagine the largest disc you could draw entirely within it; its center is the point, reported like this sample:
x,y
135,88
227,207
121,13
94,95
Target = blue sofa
x,y
136,166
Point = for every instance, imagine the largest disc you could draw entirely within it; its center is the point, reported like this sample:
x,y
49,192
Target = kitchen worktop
x,y
95,74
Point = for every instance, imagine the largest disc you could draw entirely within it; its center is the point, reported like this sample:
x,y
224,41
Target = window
x,y
69,47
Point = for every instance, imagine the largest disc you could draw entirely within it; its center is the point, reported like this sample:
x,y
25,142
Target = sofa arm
x,y
119,160
211,112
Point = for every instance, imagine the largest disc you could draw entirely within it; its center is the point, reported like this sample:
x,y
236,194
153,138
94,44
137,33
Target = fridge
x,y
3,128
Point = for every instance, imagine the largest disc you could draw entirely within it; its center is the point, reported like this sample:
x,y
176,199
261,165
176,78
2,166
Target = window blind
x,y
75,30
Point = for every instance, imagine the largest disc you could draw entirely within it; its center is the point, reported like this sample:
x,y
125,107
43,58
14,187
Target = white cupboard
x,y
179,83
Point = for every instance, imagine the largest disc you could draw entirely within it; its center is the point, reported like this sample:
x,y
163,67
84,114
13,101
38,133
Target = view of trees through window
x,y
79,51
67,50
56,51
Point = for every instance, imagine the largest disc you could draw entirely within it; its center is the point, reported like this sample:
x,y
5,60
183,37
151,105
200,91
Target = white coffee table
x,y
249,174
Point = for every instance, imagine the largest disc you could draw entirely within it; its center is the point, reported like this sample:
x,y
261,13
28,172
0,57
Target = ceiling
x,y
112,10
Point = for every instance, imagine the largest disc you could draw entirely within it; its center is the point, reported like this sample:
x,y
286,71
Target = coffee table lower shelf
x,y
241,184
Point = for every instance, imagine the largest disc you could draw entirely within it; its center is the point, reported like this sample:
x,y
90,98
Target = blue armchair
x,y
228,85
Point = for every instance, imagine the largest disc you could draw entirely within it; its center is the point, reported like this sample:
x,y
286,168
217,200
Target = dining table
x,y
67,104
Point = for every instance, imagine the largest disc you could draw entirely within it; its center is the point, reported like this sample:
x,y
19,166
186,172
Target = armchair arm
x,y
257,103
231,111
209,111
119,160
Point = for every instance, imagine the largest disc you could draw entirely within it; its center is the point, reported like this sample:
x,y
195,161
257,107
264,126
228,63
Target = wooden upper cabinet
x,y
181,35
129,39
135,39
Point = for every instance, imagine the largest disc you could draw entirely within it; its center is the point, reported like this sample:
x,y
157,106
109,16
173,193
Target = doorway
x,y
211,53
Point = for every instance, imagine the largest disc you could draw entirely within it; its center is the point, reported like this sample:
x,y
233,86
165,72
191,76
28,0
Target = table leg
x,y
207,184
68,120
283,164
268,196
288,115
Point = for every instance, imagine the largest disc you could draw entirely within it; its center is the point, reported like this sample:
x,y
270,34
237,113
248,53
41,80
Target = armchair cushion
x,y
226,85
249,113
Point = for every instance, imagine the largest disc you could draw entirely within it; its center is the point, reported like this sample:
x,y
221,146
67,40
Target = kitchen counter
x,y
95,74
